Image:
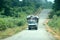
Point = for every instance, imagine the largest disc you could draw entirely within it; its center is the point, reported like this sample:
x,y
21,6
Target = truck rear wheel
x,y
29,29
36,28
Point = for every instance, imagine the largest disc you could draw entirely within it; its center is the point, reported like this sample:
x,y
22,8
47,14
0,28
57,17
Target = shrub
x,y
10,23
2,24
54,13
20,23
55,22
58,13
51,14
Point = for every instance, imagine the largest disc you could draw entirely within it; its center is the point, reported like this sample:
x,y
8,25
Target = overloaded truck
x,y
36,18
32,22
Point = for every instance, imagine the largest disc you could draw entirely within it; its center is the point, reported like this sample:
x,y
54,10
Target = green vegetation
x,y
10,23
56,5
55,17
11,31
52,13
55,23
13,15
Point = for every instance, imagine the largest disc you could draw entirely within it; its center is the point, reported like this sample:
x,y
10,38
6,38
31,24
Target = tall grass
x,y
55,22
12,25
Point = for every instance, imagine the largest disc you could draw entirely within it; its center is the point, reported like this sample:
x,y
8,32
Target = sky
x,y
51,0
48,0
20,0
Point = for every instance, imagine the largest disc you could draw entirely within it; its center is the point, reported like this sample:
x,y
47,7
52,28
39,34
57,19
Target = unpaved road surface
x,y
40,34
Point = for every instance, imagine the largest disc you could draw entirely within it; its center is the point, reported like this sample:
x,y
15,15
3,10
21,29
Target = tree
x,y
1,4
57,5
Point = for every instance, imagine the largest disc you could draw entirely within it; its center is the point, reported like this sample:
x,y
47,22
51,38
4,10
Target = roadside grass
x,y
12,25
11,31
51,30
54,24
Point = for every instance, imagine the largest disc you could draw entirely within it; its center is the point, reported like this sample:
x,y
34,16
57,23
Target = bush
x,y
58,13
55,22
2,24
54,13
10,23
20,23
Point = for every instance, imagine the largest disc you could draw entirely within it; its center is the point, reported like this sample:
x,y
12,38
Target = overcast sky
x,y
48,0
51,0
20,0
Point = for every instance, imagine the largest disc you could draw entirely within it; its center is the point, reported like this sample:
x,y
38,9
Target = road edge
x,y
49,29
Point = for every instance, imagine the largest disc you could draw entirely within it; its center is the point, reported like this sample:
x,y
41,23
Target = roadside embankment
x,y
51,30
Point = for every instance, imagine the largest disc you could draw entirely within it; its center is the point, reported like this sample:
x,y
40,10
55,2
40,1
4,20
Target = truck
x,y
32,22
